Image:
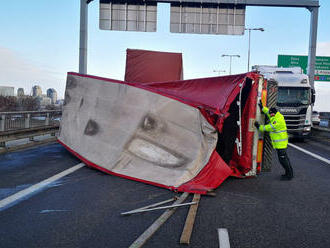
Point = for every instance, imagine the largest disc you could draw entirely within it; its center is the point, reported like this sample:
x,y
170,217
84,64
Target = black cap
x,y
272,110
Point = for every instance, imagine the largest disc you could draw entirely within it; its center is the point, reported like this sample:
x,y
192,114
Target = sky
x,y
39,44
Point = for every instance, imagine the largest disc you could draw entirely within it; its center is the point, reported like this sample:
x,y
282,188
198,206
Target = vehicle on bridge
x,y
316,118
294,99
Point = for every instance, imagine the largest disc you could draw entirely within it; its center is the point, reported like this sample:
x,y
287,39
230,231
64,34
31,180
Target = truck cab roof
x,y
286,77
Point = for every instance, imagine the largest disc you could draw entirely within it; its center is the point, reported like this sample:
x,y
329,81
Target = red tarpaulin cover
x,y
213,97
144,66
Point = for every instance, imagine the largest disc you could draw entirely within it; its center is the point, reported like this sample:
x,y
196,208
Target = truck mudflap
x,y
178,135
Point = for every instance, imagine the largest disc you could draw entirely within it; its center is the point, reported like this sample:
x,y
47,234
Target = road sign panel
x,y
202,18
186,17
121,16
322,65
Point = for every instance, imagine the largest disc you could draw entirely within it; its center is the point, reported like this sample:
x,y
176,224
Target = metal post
x,y
2,123
47,119
312,44
230,59
27,121
230,65
249,50
248,68
83,37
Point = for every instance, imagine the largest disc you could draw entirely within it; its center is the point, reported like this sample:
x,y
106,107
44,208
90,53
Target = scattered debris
x,y
152,205
188,226
158,208
140,241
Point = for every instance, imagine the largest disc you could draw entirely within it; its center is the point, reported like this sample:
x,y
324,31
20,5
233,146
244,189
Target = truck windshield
x,y
290,96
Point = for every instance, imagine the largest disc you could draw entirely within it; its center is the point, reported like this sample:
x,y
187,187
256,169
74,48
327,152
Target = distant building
x,y
52,94
20,92
44,101
60,102
6,91
36,91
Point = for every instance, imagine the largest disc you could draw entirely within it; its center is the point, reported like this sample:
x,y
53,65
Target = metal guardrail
x,y
27,124
29,119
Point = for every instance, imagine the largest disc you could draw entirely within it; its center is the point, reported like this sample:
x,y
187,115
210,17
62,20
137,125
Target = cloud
x,y
17,71
323,49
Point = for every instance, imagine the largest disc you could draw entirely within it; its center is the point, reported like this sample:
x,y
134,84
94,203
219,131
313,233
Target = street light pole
x,y
249,52
230,56
83,36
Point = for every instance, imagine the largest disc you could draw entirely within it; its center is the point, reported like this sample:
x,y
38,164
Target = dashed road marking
x,y
223,238
310,153
9,201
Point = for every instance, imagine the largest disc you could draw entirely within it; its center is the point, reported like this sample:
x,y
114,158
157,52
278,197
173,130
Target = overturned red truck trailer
x,y
184,135
144,66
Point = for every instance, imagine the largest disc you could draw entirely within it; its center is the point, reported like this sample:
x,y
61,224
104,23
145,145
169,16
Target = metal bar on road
x,y
152,205
158,208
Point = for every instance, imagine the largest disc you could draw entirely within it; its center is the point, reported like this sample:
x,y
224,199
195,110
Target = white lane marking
x,y
46,211
23,193
223,238
310,153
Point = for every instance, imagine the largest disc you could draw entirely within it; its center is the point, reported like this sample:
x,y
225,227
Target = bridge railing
x,y
29,119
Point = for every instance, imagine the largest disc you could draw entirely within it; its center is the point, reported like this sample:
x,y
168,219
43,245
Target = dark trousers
x,y
285,162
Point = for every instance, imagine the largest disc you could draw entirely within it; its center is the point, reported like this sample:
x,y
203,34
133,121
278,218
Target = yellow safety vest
x,y
277,129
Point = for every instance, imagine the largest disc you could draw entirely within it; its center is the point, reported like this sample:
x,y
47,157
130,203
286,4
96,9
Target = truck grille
x,y
295,122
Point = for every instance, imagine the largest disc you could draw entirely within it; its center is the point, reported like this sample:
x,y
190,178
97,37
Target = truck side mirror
x,y
313,96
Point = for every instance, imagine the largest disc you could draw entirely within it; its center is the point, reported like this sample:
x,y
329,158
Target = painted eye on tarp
x,y
154,153
91,128
149,123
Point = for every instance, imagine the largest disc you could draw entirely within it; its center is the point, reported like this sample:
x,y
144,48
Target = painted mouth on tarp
x,y
155,153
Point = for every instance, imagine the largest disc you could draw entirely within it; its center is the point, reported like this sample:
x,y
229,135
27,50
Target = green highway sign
x,y
322,65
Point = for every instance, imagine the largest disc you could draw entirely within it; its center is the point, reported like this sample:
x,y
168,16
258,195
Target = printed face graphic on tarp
x,y
170,134
135,133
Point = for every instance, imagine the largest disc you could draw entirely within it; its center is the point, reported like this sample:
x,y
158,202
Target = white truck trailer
x,y
295,97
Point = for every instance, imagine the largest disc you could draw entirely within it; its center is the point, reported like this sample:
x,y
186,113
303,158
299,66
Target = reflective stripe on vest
x,y
280,140
279,131
272,126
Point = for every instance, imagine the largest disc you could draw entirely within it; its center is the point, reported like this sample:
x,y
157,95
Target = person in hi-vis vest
x,y
279,136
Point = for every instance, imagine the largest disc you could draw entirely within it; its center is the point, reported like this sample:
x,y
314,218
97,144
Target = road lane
x,y
320,146
23,194
22,169
84,211
310,154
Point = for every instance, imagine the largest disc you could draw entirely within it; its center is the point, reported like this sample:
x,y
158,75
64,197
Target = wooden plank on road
x,y
140,241
188,226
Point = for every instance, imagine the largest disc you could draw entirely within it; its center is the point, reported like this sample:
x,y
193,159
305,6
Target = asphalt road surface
x,y
83,208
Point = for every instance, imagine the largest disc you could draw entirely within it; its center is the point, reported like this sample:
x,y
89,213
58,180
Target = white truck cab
x,y
294,99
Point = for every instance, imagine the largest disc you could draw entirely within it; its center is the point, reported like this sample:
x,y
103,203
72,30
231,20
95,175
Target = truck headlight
x,y
307,129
